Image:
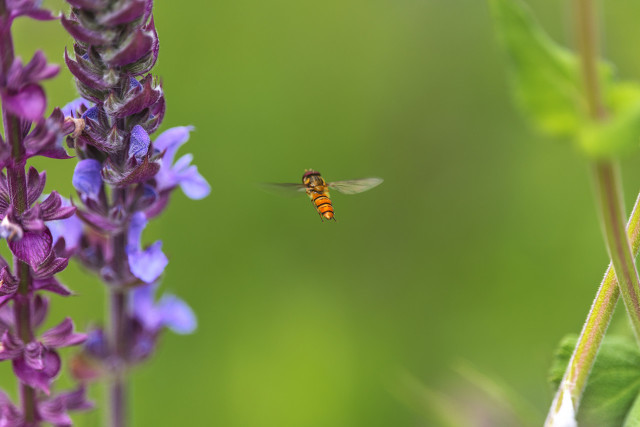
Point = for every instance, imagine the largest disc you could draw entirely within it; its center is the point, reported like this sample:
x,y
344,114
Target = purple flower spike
x,y
170,311
147,265
139,145
127,176
87,178
181,173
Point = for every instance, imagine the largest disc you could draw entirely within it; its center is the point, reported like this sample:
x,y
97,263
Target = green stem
x,y
622,276
586,350
611,211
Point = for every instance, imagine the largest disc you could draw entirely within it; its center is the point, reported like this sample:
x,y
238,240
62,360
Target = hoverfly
x,y
318,190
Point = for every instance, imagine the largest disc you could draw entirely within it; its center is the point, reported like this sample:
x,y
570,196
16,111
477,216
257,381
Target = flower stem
x,y
118,386
622,276
118,300
606,173
586,350
18,193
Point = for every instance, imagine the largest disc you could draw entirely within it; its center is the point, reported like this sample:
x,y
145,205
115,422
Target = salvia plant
x,y
576,96
123,179
38,255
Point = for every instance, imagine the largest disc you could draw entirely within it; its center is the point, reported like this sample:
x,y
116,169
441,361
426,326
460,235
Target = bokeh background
x,y
482,244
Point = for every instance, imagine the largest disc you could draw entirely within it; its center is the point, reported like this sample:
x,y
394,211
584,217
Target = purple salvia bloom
x,y
10,415
87,178
181,173
23,223
123,177
148,264
22,94
54,410
69,229
170,311
37,363
62,335
33,248
71,109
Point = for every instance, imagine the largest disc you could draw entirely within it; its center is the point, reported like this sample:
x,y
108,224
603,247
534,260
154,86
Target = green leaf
x,y
621,132
613,385
547,83
545,76
633,417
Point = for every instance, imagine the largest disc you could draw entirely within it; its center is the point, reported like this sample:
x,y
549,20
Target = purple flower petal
x,y
87,178
62,335
177,315
28,103
49,267
149,264
91,113
71,109
139,142
54,410
33,248
136,226
134,84
35,184
193,184
12,346
9,413
52,284
171,140
38,378
37,69
143,305
33,353
70,229
52,208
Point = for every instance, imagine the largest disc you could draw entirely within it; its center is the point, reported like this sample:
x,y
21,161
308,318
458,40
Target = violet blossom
x,y
24,217
124,177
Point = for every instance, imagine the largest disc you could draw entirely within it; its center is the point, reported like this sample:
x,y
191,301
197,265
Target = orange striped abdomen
x,y
322,202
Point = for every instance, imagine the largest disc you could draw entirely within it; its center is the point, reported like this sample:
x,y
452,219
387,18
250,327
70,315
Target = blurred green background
x,y
482,244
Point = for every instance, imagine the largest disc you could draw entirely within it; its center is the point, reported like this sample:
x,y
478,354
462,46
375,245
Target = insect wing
x,y
283,189
355,186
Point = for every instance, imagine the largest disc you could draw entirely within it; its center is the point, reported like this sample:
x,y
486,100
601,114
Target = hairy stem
x,y
595,326
18,192
622,276
610,204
